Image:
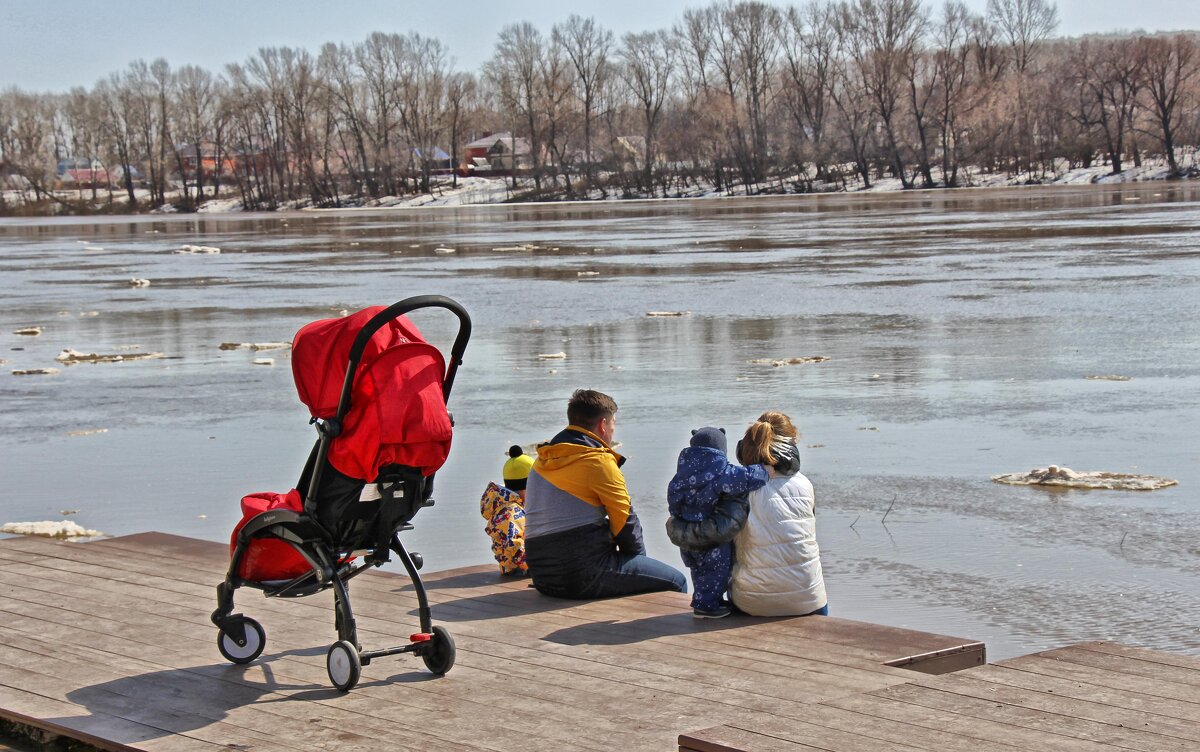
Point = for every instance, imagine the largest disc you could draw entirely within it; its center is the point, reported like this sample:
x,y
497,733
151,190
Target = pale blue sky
x,y
52,45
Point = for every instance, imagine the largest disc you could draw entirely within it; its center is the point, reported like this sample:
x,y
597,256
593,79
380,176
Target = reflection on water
x,y
960,328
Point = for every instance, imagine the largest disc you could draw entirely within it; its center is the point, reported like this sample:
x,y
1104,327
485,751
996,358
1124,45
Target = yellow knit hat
x,y
516,469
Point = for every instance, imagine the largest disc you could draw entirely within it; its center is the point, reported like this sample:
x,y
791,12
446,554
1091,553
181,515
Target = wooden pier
x,y
110,643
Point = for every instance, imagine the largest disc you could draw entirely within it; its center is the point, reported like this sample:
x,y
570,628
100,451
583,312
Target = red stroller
x,y
377,393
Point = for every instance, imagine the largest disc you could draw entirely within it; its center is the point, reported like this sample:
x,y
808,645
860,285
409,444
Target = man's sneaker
x,y
716,613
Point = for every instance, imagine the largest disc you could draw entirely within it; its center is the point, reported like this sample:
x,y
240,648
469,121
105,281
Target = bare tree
x,y
884,37
118,123
422,99
26,136
82,116
952,46
196,97
513,71
1024,25
647,60
461,92
1104,74
1172,68
588,46
849,94
337,67
808,39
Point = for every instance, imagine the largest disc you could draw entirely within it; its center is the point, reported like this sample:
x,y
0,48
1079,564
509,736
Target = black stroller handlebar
x,y
380,319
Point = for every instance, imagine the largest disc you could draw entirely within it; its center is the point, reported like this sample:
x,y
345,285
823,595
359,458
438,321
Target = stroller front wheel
x,y
253,639
439,655
343,664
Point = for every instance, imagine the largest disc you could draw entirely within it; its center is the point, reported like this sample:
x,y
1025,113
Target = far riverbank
x,y
475,191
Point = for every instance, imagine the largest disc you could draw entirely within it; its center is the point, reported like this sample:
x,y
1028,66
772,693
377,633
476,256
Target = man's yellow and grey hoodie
x,y
576,485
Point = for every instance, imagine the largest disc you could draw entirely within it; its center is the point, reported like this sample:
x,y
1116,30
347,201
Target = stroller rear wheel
x,y
439,655
252,644
343,664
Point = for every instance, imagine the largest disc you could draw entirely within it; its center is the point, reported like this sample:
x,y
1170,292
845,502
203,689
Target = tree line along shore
x,y
739,97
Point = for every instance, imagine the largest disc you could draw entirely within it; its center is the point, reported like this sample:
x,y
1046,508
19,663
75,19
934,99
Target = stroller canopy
x,y
397,412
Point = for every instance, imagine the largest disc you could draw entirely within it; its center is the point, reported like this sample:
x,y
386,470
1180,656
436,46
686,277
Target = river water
x,y
960,327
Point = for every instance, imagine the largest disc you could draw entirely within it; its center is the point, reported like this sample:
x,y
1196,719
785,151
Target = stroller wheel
x,y
343,664
439,655
255,641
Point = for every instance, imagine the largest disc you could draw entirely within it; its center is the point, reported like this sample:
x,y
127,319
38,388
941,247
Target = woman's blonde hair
x,y
755,446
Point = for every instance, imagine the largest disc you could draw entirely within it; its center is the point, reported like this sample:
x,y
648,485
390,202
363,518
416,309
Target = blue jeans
x,y
584,563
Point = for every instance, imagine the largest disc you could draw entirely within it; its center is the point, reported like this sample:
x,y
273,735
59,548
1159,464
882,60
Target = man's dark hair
x,y
587,407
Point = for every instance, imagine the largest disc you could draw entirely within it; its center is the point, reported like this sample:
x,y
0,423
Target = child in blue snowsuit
x,y
703,475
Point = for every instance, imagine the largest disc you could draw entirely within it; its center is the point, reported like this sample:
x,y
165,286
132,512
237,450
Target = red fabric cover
x,y
397,414
397,408
321,352
268,558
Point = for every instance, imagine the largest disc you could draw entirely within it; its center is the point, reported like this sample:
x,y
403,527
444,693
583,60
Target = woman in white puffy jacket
x,y
777,570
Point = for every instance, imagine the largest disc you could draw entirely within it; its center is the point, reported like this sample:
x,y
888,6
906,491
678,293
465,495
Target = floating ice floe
x,y
443,250
198,249
552,356
1108,377
28,331
1068,478
71,357
517,248
263,362
777,362
255,345
588,273
87,431
92,248
138,282
49,529
35,372
668,313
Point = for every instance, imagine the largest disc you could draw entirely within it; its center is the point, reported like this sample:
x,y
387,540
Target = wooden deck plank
x,y
730,739
1063,731
1125,664
1090,701
1179,660
1109,705
99,730
1080,672
826,715
975,732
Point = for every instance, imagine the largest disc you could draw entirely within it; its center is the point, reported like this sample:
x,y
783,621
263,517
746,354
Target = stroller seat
x,y
377,395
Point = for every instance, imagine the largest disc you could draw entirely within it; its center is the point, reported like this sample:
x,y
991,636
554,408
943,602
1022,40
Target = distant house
x,y
496,153
439,160
202,159
81,172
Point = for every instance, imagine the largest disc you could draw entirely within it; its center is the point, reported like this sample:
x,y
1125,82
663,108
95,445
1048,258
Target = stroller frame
x,y
403,492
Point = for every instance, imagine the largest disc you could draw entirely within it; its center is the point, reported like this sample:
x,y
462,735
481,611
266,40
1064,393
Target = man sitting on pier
x,y
582,537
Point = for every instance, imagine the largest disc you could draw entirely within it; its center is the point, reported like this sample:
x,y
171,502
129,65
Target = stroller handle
x,y
399,309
